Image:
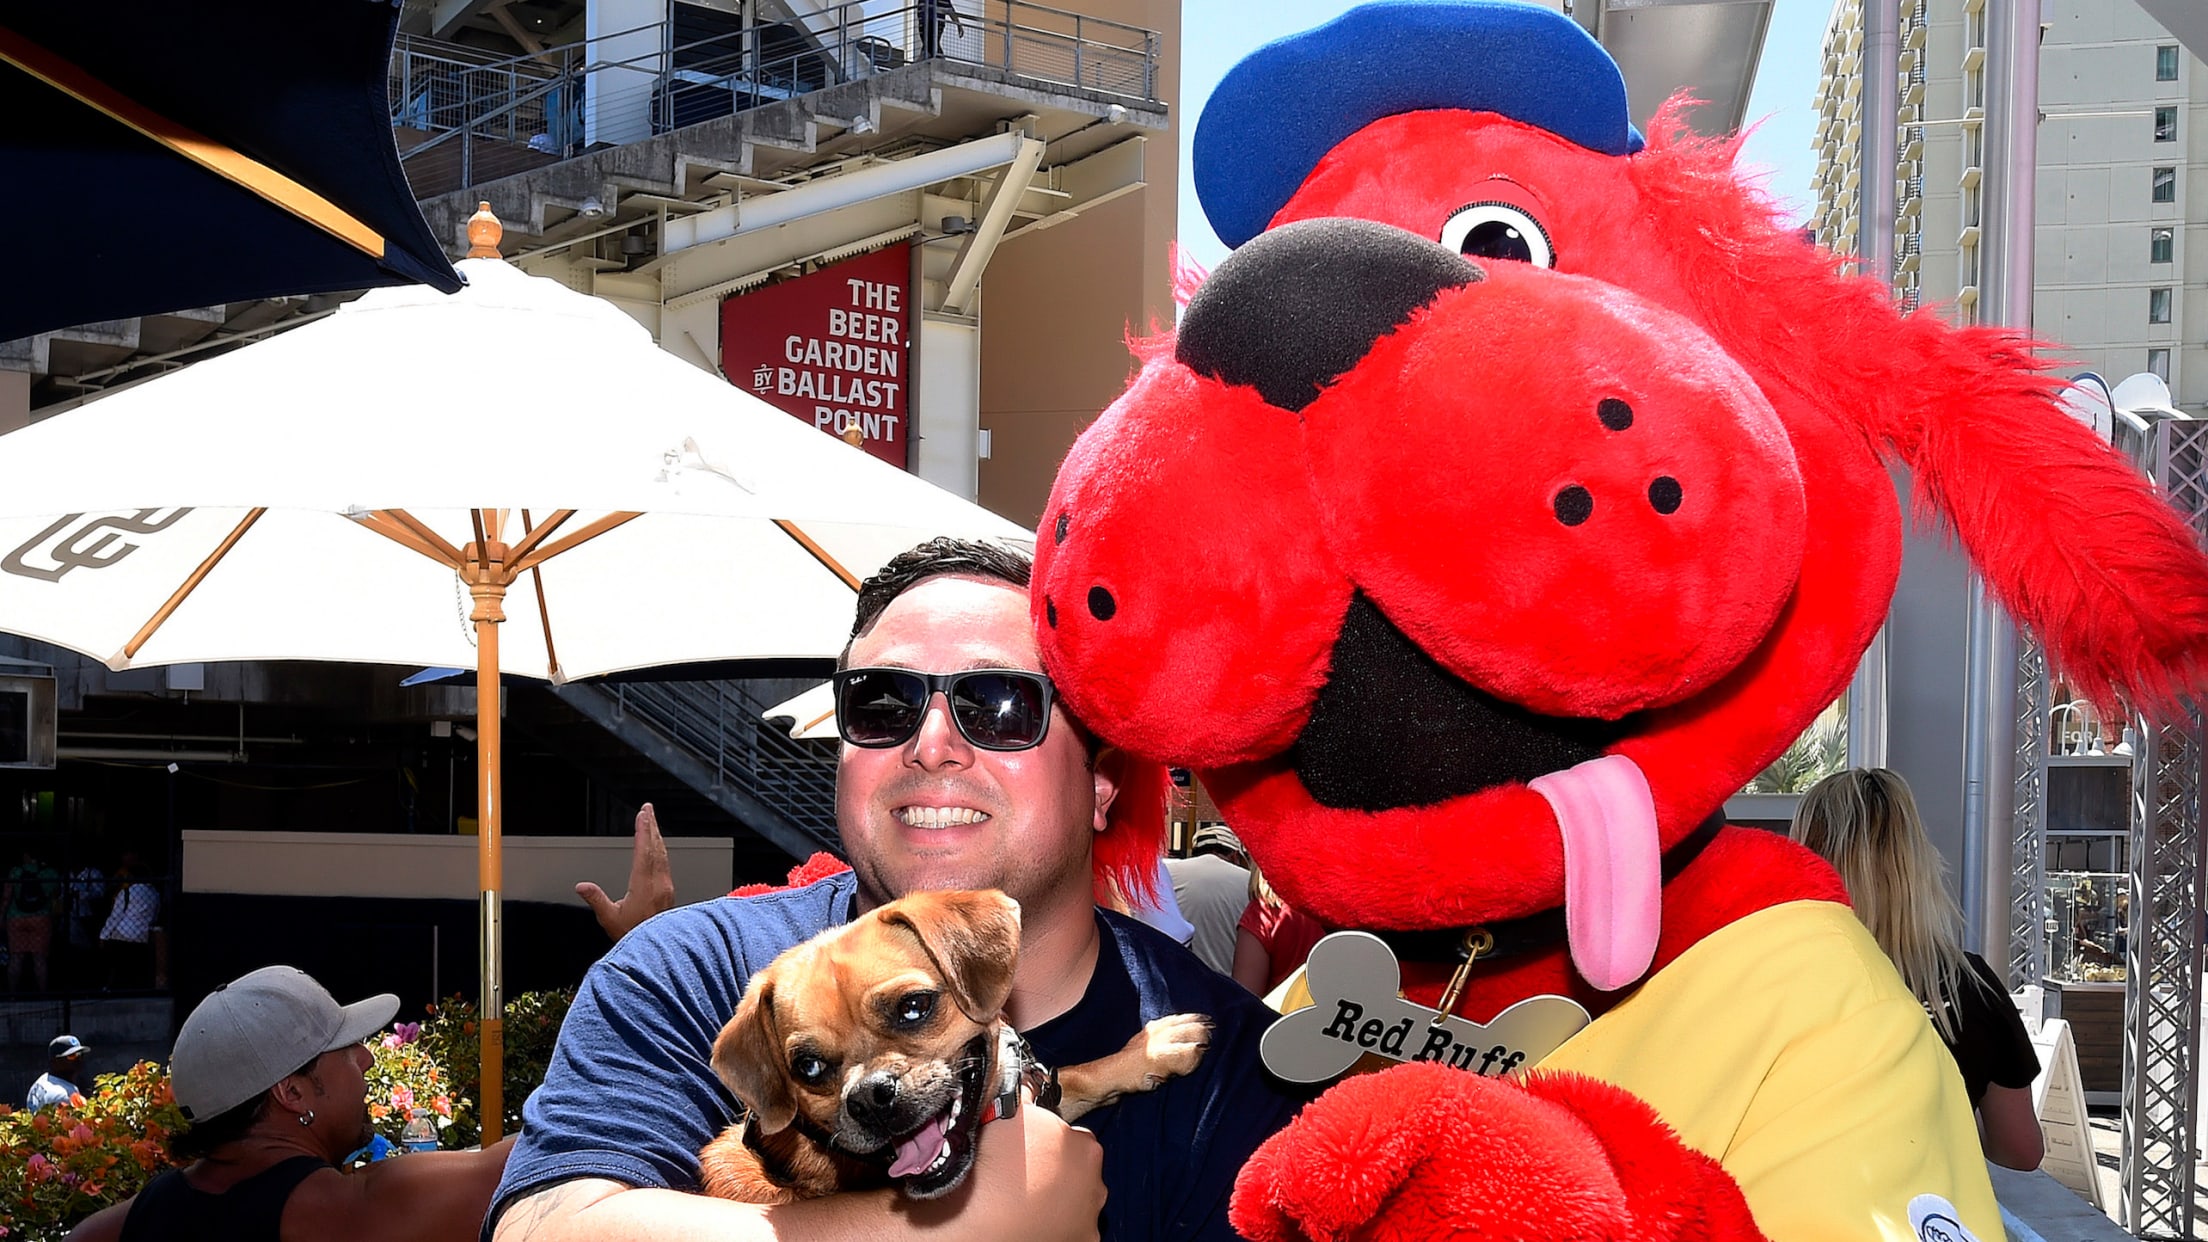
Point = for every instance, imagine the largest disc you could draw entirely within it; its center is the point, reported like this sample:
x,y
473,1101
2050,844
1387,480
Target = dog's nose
x,y
1299,305
872,1098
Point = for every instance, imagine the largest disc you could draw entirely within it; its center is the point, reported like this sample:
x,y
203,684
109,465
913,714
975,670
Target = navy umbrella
x,y
162,155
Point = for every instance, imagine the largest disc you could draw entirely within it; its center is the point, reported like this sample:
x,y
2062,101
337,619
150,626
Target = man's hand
x,y
651,882
1034,1177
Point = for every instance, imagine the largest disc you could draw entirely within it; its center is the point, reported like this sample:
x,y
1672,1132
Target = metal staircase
x,y
709,735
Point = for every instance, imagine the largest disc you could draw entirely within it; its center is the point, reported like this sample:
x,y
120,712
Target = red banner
x,y
833,348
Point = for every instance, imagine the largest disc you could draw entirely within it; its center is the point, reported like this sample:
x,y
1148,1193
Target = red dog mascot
x,y
1531,482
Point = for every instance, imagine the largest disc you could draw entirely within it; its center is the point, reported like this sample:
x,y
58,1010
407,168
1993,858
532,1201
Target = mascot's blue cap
x,y
1276,114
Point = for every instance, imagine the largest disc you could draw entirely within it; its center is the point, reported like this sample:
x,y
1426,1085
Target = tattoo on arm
x,y
526,1219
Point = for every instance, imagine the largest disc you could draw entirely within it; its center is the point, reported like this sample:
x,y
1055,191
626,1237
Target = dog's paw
x,y
1172,1046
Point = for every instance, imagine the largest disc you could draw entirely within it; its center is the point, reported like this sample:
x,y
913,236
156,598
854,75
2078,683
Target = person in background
x,y
87,911
1212,886
31,896
64,1066
1864,822
126,939
1272,939
266,1138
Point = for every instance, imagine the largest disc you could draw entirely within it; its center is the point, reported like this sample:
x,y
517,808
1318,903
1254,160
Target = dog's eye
x,y
915,1009
1498,231
809,1069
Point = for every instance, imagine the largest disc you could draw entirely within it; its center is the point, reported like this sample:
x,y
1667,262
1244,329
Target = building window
x,y
2165,185
2159,242
2158,306
2165,63
2165,125
2158,361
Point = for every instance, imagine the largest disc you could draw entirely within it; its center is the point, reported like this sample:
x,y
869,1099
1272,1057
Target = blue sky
x,y
1217,33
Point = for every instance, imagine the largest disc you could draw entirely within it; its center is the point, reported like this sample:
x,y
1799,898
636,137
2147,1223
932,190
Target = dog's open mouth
x,y
933,1159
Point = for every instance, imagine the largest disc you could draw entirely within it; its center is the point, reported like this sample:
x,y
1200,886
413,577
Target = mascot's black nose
x,y
1299,305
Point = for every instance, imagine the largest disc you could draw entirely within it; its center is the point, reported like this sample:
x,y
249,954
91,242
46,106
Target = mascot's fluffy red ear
x,y
1534,473
2078,546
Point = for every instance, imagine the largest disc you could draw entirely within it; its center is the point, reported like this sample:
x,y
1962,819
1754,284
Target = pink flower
x,y
83,1133
402,1098
39,1167
408,1032
392,1041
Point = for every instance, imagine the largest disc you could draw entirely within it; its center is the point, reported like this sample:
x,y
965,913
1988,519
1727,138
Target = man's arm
x,y
1034,1177
421,1197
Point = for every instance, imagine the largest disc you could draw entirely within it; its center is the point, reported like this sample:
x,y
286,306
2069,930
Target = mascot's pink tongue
x,y
1613,867
918,1152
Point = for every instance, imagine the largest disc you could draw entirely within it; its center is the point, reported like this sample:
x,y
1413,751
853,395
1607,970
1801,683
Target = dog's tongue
x,y
918,1152
1613,867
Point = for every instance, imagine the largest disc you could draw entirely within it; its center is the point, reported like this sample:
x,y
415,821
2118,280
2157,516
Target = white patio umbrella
x,y
391,484
811,713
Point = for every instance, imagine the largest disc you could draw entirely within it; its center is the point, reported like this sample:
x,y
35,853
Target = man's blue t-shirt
x,y
631,1094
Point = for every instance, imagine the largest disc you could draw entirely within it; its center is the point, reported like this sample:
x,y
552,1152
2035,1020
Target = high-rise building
x,y
2122,137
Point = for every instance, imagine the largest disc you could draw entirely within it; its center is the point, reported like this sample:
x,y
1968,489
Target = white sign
x,y
2059,1099
1356,1011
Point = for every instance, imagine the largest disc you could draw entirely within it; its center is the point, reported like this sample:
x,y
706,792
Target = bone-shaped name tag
x,y
1353,979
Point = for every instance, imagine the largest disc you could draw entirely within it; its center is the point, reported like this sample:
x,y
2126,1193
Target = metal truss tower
x,y
2162,992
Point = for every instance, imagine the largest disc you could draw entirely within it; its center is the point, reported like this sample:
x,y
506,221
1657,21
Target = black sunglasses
x,y
994,708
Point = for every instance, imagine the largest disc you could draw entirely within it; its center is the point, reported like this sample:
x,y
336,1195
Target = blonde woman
x,y
1864,821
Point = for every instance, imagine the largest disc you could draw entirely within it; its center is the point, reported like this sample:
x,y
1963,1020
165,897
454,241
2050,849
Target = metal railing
x,y
718,723
493,116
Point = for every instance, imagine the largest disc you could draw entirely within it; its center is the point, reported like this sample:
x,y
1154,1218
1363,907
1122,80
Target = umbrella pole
x,y
490,809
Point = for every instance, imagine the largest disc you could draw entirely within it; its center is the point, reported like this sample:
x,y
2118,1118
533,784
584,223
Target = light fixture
x,y
955,225
632,245
591,207
861,125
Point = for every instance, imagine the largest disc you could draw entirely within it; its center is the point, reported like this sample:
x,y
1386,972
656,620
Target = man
x,y
1213,887
1004,791
64,1062
933,16
266,1137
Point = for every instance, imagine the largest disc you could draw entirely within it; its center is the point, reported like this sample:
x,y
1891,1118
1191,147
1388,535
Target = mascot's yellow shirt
x,y
1785,1047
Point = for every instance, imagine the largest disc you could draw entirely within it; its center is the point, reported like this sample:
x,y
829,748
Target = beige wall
x,y
377,864
1056,305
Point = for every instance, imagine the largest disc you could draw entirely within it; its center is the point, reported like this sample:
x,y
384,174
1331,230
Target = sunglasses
x,y
994,708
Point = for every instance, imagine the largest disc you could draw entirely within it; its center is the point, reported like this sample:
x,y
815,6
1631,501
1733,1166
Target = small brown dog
x,y
871,1055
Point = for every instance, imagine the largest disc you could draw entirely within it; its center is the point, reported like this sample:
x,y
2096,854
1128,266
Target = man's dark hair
x,y
202,1139
941,557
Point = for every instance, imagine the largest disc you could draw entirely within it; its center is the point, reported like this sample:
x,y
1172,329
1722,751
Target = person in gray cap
x,y
1213,887
270,1072
64,1062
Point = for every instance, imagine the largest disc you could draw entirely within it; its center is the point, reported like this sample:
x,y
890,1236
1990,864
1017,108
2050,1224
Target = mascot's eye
x,y
809,1069
915,1009
1498,231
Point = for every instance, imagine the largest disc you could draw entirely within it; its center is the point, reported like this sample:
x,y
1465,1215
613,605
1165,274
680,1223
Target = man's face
x,y
938,812
339,1080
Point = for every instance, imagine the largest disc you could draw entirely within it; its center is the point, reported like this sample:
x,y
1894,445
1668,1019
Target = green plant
x,y
451,1037
406,1075
61,1164
1820,751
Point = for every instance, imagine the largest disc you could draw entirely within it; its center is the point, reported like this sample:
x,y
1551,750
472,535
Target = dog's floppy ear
x,y
973,938
749,1058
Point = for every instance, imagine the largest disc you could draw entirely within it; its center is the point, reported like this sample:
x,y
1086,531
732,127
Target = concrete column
x,y
1989,726
617,97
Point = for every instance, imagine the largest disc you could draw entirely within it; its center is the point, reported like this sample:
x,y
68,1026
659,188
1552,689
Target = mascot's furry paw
x,y
1423,1152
